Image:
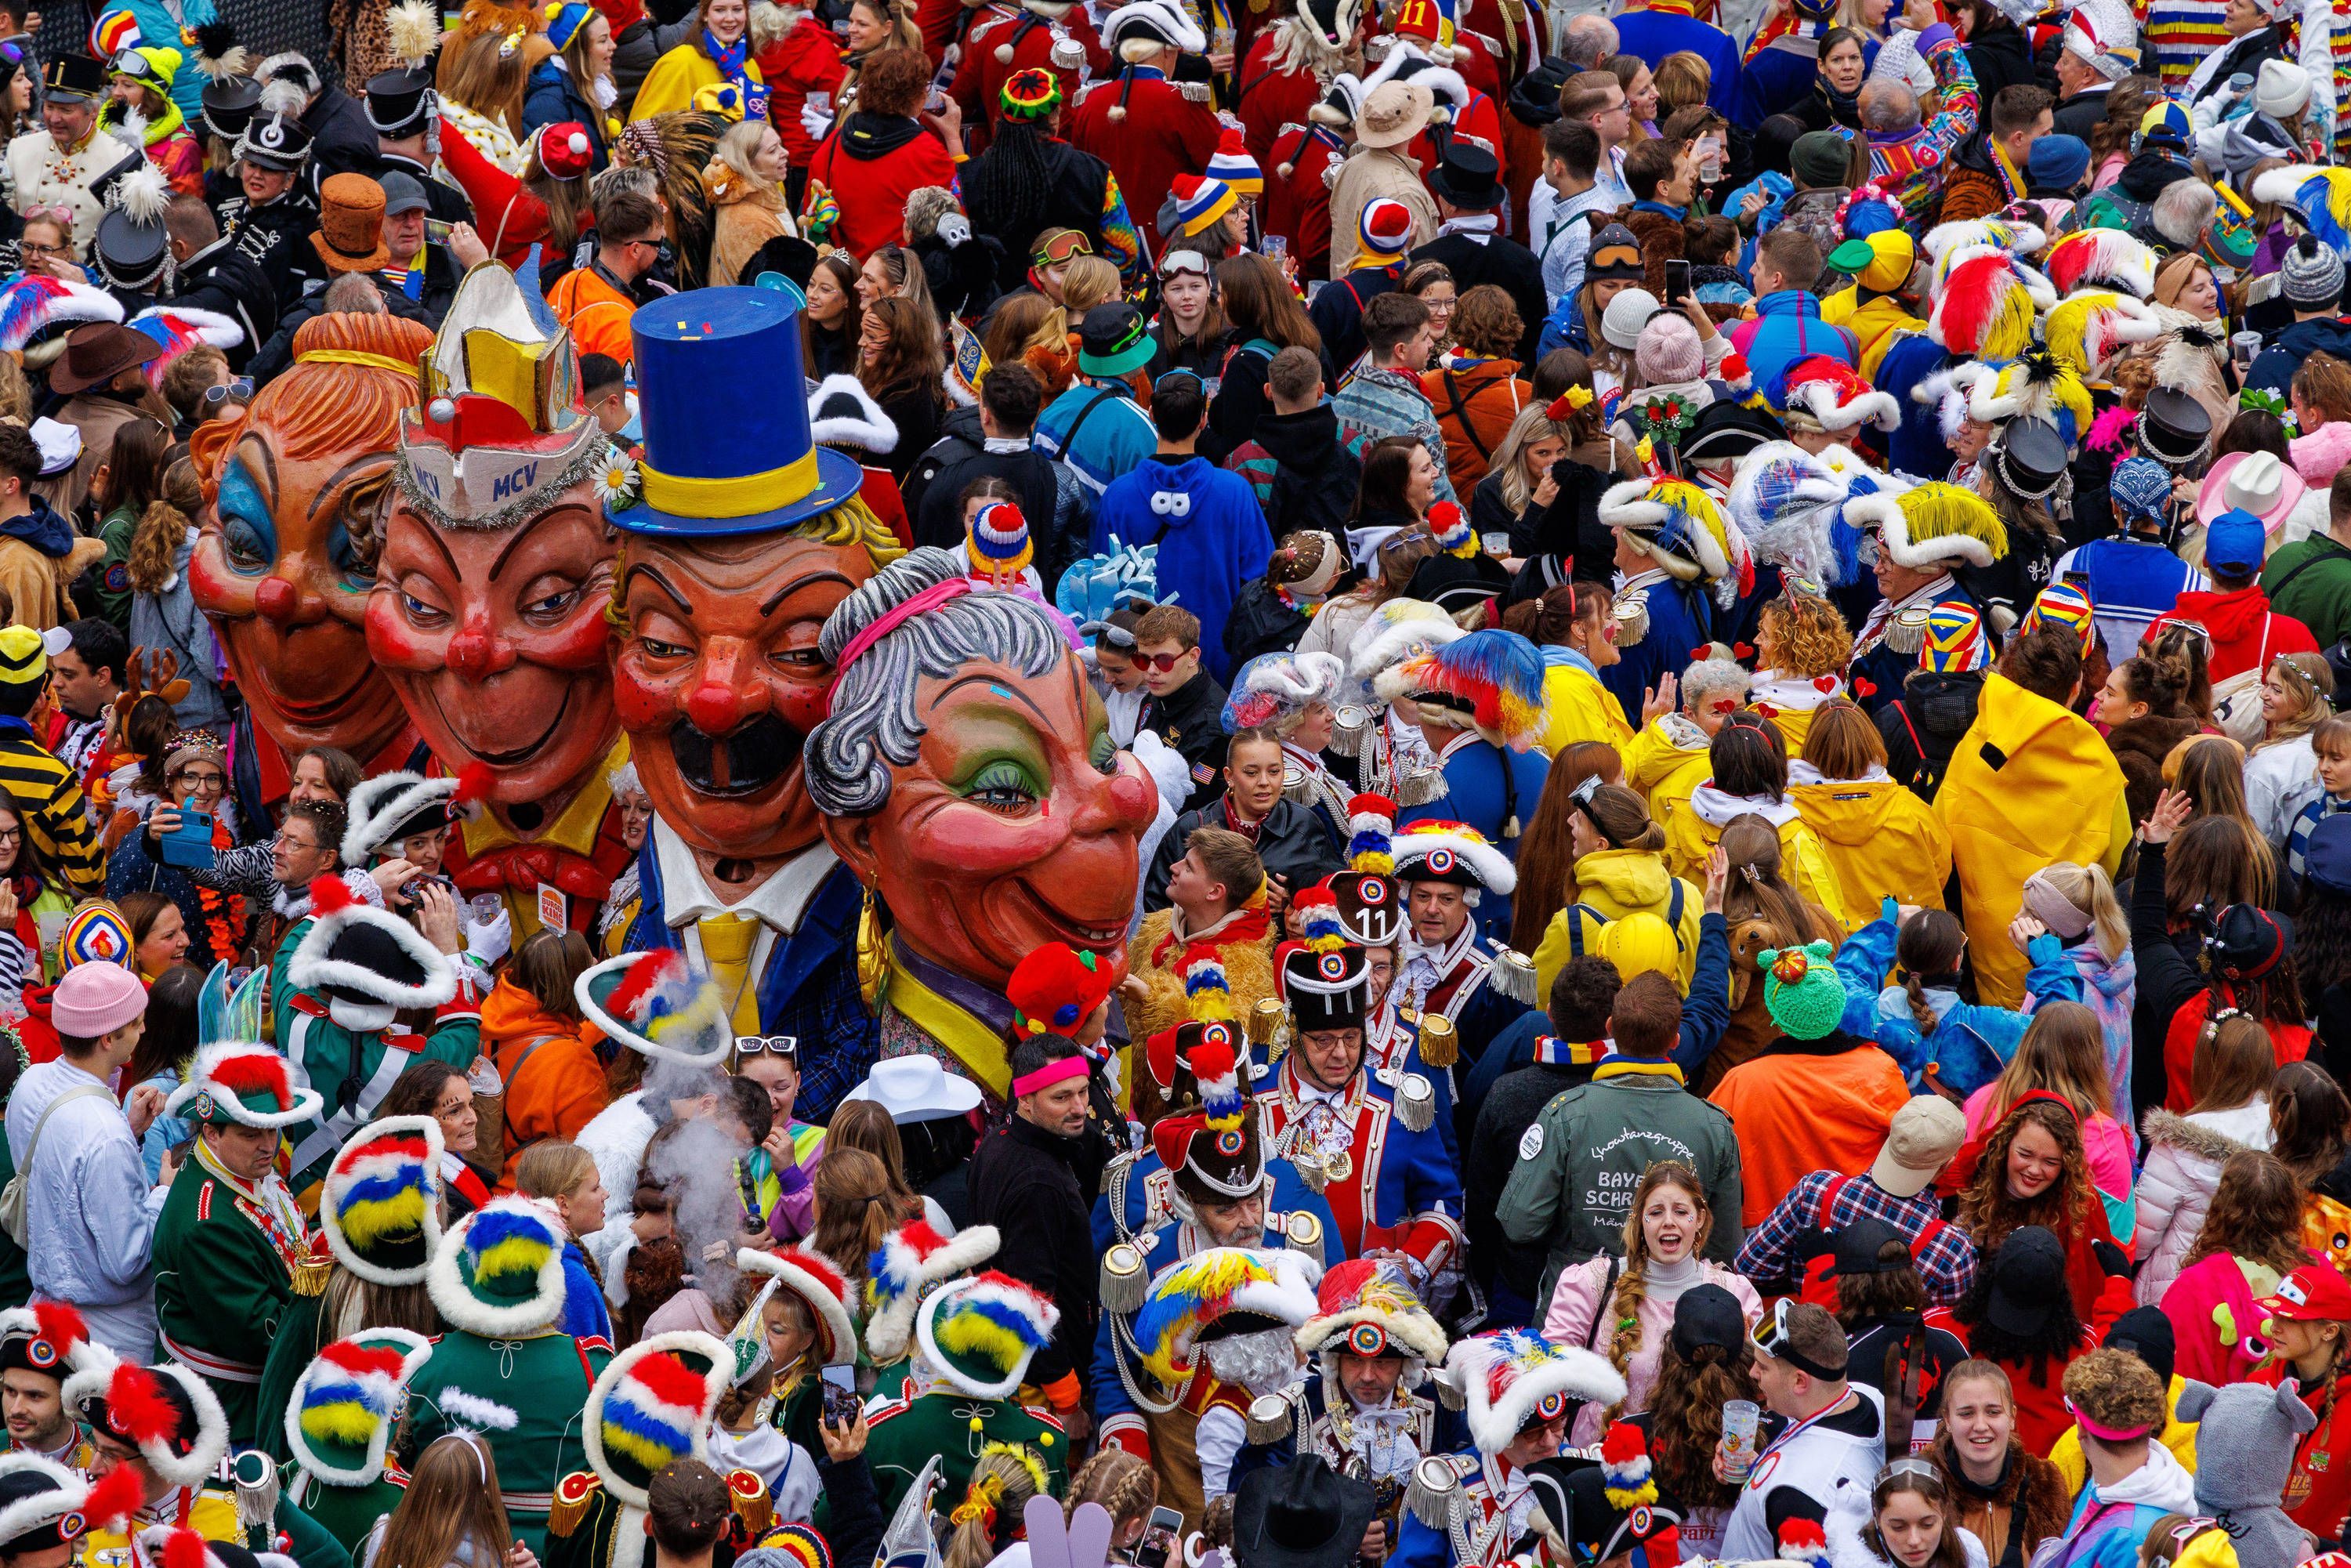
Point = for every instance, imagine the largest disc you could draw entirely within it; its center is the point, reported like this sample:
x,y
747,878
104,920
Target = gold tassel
x,y
311,1274
1268,1418
753,1503
573,1498
1124,1281
1440,1045
1304,1233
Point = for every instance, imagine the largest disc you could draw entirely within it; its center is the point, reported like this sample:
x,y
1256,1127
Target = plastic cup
x,y
483,907
1741,1418
821,101
2246,347
1276,246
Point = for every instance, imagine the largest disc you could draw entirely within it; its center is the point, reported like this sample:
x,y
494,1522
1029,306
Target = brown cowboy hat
x,y
99,352
351,224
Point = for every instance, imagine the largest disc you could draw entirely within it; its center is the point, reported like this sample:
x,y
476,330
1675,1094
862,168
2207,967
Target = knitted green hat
x,y
1801,990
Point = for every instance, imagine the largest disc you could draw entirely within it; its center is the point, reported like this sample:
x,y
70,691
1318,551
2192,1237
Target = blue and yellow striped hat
x,y
347,1400
652,1406
498,1272
1954,643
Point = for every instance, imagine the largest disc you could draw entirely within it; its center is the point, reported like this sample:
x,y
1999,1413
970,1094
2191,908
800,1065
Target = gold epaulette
x,y
573,1498
753,1505
311,1274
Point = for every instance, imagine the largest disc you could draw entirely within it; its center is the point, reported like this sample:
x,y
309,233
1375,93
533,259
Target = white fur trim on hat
x,y
461,1309
1040,1312
67,1492
1493,1423
785,1272
1627,506
869,429
415,1350
331,1217
313,969
209,1059
692,1342
1416,1331
888,1330
1400,640
619,1031
381,803
1487,864
1296,679
1819,398
1160,19
1443,83
188,1469
1885,512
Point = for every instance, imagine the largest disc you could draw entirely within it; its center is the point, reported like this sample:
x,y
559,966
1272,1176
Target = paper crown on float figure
x,y
717,466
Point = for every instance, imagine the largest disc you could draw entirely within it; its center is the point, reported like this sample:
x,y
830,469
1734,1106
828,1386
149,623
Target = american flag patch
x,y
1201,773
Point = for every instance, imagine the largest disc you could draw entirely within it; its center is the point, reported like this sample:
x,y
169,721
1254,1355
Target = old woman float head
x,y
966,770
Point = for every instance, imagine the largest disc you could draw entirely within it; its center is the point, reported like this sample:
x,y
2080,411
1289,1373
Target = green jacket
x,y
901,1436
1580,1162
223,1282
2320,594
347,1514
526,1396
109,580
301,1335
350,1071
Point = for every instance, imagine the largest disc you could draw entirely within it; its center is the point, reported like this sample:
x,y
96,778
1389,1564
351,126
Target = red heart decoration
x,y
1698,652
1824,683
1767,710
1744,649
1864,686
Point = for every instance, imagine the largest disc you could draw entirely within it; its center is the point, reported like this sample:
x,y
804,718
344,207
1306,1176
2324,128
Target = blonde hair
x,y
988,1519
2063,1052
2088,889
1809,636
164,528
1124,1483
1090,280
2308,679
739,146
553,1168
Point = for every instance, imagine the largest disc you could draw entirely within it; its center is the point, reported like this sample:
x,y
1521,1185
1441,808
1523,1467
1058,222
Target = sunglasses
x,y
784,1045
240,390
1163,662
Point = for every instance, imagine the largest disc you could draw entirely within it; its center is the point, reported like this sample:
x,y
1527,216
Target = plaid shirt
x,y
2297,838
1379,402
1947,1265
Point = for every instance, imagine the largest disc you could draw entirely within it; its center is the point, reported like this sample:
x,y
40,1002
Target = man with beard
x,y
741,536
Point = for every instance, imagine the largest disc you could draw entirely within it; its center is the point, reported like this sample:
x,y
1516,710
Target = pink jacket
x,y
2104,1144
2322,453
1575,1301
2212,1315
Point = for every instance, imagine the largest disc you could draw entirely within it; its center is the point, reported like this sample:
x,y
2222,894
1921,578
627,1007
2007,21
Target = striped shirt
x,y
2297,838
54,815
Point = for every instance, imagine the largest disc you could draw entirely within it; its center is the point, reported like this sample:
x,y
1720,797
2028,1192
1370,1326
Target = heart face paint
x,y
1019,820
496,640
717,681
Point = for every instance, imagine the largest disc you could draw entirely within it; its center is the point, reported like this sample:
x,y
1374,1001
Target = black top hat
x,y
1371,909
401,102
2174,427
74,76
275,141
2032,457
1327,990
1300,1515
1725,431
1534,97
131,254
1469,176
229,103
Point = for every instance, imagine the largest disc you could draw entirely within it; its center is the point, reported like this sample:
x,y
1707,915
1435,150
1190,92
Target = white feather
x,y
142,195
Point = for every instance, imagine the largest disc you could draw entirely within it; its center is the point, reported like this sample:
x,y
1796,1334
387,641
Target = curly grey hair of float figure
x,y
875,719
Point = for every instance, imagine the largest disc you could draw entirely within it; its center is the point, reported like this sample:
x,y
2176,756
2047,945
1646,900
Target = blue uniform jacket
x,y
1487,787
1681,617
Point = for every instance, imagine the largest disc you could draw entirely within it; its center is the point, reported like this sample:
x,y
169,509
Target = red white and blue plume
x,y
980,1333
1216,1069
910,1260
1318,920
35,302
383,1188
1497,676
658,1004
1510,1378
652,1406
1625,1466
1208,994
1451,525
1371,825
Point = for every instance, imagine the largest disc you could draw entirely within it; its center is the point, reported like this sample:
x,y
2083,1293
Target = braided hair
x,y
1622,1308
1011,180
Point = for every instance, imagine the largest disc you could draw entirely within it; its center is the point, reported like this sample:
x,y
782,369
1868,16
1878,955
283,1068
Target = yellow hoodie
x,y
2030,783
1618,883
1690,839
1578,708
1879,837
1670,747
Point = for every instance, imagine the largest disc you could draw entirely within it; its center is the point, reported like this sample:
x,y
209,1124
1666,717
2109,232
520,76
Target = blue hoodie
x,y
1217,542
42,529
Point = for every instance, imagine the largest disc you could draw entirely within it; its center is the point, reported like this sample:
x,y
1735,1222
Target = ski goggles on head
x,y
1061,249
1183,261
1771,1338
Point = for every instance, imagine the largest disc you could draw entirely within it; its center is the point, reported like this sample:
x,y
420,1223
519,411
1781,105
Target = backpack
x,y
1817,1247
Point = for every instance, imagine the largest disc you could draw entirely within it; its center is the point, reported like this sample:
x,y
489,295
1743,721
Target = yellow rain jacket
x,y
1690,839
2030,783
1880,838
1875,324
1670,753
1612,884
1578,708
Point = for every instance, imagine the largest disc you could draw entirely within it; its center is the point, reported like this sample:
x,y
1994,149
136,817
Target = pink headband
x,y
2107,1434
929,599
1052,1072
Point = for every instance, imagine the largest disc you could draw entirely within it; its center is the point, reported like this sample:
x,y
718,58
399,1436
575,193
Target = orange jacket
x,y
598,314
559,1090
1476,404
1804,1106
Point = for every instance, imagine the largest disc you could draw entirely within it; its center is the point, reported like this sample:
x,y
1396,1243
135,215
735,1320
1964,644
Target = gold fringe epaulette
x,y
573,1498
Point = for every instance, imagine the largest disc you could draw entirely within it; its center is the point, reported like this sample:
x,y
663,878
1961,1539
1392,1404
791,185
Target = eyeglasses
x,y
1163,662
204,780
11,835
239,389
786,1045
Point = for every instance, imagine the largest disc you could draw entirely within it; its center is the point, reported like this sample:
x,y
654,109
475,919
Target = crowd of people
x,y
1065,782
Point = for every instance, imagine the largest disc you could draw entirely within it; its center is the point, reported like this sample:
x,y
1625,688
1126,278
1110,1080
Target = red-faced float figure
x,y
967,773
488,612
740,537
300,482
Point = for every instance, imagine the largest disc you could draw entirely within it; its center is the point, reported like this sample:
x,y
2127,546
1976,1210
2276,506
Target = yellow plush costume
x,y
2030,783
1159,963
676,77
1880,838
1578,708
1618,883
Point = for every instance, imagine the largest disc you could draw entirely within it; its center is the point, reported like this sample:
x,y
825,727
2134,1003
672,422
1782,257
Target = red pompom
x,y
474,782
257,1071
114,1498
184,1548
331,895
136,1407
1211,1061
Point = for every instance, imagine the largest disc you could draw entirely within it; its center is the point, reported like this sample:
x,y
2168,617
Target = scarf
x,y
1246,923
166,125
1844,108
730,59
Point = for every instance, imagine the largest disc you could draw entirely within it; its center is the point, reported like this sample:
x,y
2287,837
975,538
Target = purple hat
x,y
95,999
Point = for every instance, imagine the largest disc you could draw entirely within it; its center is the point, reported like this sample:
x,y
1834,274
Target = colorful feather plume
x,y
1208,996
380,1188
996,1319
1451,525
37,301
1217,1068
2322,195
1498,673
1625,1467
1371,825
1983,311
1187,1297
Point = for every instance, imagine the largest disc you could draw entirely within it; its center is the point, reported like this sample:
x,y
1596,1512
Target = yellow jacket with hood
x,y
1668,755
2031,782
1693,828
1576,706
1878,836
1610,886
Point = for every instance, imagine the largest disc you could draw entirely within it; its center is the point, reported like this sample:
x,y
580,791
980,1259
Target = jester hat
x,y
380,1205
1493,678
498,1272
346,1402
1678,525
980,1333
1273,688
243,1085
659,1006
810,1276
911,1259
